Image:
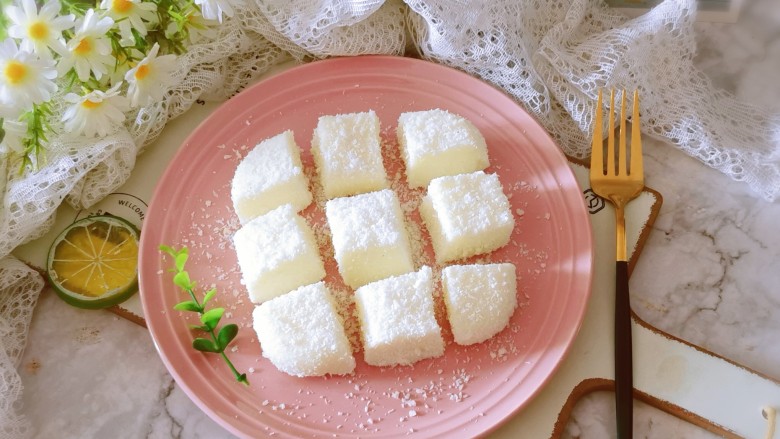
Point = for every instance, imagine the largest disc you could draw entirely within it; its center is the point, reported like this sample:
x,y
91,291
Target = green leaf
x,y
182,280
205,345
175,15
181,259
140,42
188,305
211,317
209,295
167,249
226,335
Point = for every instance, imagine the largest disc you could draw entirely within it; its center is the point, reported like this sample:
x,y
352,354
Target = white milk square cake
x,y
302,333
397,321
348,154
466,215
480,299
435,143
269,176
370,240
277,253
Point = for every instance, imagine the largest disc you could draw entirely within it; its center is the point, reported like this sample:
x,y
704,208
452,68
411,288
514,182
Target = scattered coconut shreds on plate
x,y
212,227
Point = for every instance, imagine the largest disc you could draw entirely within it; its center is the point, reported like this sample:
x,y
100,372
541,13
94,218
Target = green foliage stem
x,y
209,318
34,144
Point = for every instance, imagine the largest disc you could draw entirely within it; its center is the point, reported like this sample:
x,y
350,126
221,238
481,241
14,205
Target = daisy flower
x,y
95,113
15,132
89,50
39,30
150,77
122,65
198,28
25,79
213,9
134,14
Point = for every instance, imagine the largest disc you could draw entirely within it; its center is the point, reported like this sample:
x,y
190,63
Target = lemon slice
x,y
94,262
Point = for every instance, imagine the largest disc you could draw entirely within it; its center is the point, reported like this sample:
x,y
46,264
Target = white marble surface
x,y
708,274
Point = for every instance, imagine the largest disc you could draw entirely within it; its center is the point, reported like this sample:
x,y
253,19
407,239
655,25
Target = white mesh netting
x,y
551,55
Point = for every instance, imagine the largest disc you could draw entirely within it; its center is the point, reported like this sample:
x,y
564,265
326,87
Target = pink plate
x,y
470,390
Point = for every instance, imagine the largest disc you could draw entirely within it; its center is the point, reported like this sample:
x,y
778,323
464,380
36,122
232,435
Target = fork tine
x,y
611,135
622,157
597,146
636,140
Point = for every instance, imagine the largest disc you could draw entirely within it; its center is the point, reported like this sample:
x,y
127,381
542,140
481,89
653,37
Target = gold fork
x,y
619,185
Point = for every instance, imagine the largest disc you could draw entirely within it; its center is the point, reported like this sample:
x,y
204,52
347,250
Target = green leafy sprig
x,y
220,337
37,125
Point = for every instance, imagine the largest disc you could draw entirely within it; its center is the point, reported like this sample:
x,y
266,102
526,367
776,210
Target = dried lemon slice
x,y
94,262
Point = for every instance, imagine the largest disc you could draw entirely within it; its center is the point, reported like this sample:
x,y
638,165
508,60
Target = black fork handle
x,y
624,384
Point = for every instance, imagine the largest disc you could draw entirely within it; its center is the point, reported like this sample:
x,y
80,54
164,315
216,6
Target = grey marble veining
x,y
709,273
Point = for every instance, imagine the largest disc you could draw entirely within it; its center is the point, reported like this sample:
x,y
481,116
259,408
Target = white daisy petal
x,y
88,51
137,12
50,9
15,14
29,7
16,32
150,78
96,113
198,28
138,24
82,71
65,64
25,79
69,113
41,30
214,9
15,132
64,22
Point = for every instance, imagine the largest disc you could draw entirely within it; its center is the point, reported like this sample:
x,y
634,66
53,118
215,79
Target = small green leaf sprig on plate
x,y
220,337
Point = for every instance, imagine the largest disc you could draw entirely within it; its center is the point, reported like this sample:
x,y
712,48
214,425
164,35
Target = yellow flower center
x,y
121,6
38,30
15,72
86,103
142,72
84,47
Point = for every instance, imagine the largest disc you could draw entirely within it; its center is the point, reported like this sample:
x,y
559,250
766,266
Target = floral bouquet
x,y
77,68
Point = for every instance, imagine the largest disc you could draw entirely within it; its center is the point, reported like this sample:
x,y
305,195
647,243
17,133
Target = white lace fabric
x,y
550,55
19,289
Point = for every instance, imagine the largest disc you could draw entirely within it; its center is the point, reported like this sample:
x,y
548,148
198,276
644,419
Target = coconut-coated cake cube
x,y
370,240
435,143
480,299
348,154
466,215
277,253
302,333
270,175
397,321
